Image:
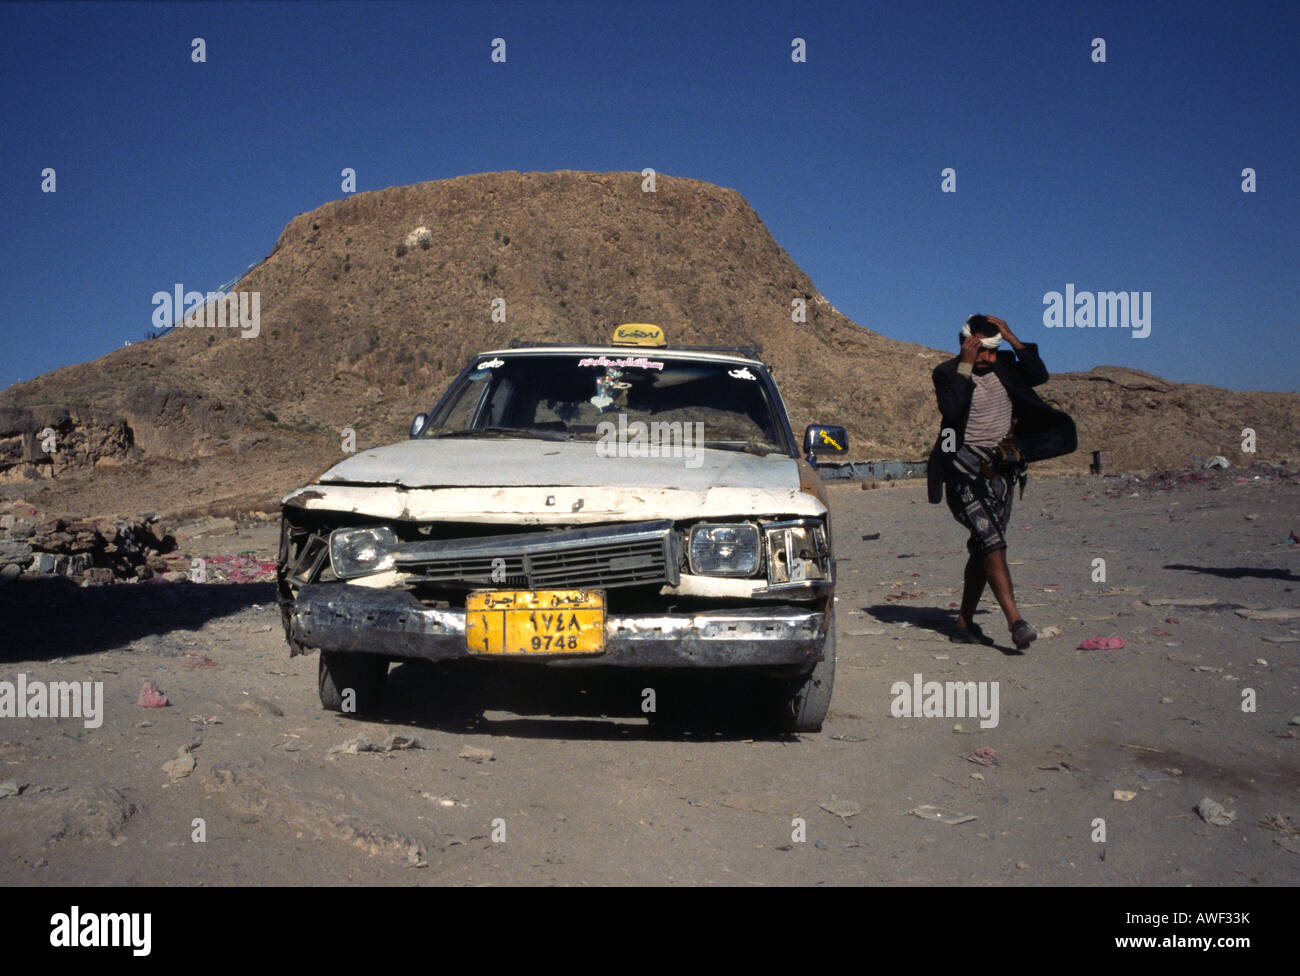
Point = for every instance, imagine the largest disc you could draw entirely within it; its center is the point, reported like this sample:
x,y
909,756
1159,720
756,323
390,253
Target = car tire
x,y
363,674
809,699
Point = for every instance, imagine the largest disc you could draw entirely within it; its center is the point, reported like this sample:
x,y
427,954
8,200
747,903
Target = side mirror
x,y
823,439
418,424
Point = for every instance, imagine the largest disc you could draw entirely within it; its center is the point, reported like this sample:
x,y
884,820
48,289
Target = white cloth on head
x,y
988,342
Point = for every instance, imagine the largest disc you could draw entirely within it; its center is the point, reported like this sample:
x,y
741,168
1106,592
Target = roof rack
x,y
753,352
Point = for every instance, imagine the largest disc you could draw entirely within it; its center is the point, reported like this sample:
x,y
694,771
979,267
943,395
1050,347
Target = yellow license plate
x,y
535,622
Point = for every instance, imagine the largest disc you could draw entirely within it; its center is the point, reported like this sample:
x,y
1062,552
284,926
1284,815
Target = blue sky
x,y
1116,176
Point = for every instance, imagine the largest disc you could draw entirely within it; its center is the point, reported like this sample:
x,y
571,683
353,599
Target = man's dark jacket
x,y
1039,431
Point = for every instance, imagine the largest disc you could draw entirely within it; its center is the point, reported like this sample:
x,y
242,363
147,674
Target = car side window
x,y
460,415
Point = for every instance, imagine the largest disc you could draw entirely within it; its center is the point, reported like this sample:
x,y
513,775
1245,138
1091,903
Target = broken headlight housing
x,y
797,553
724,549
359,552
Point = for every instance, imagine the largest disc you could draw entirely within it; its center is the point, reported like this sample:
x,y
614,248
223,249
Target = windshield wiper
x,y
543,435
751,446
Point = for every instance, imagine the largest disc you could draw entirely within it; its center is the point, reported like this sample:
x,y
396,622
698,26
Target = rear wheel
x,y
809,699
352,683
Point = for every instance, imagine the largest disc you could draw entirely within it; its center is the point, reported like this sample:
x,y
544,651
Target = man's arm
x,y
1027,358
953,390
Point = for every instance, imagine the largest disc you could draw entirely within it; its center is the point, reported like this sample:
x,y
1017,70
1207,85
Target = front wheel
x,y
809,699
352,683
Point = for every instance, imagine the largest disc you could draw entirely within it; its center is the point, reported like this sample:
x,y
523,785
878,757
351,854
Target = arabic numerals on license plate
x,y
554,632
555,642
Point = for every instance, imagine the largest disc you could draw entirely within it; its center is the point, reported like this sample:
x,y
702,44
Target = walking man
x,y
992,425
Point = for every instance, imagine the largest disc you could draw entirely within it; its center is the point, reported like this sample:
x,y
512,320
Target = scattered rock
x,y
1052,631
12,551
181,766
1124,796
1215,813
363,743
475,754
928,812
841,808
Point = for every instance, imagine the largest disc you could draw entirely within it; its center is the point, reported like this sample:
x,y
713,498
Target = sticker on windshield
x,y
491,364
608,388
628,363
741,374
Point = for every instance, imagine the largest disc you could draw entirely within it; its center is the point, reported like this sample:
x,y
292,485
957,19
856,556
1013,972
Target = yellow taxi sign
x,y
639,334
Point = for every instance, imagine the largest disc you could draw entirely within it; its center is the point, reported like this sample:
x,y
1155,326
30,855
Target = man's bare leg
x,y
999,578
973,590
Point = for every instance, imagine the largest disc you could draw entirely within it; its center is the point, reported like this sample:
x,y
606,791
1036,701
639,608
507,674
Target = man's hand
x,y
970,348
1005,330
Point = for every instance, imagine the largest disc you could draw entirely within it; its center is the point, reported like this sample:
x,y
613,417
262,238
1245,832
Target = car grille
x,y
635,554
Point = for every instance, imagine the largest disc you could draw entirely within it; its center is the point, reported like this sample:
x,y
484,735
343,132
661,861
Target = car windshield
x,y
575,396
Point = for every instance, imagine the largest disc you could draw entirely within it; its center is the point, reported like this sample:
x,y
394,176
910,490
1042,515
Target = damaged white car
x,y
623,506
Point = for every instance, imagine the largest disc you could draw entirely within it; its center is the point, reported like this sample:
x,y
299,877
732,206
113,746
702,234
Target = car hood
x,y
458,462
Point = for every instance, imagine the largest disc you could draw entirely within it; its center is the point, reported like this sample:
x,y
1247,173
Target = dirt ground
x,y
1201,703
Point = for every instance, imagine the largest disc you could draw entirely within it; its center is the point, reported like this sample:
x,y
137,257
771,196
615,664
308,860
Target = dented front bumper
x,y
392,623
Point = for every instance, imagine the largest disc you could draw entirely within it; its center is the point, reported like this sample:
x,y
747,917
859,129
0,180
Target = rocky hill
x,y
369,304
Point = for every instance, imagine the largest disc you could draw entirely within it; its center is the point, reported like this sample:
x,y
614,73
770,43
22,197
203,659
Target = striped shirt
x,y
990,411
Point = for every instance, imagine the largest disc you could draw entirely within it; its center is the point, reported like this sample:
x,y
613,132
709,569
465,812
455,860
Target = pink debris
x,y
1103,644
239,569
151,697
199,660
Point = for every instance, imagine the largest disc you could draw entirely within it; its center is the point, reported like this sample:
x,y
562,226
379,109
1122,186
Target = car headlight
x,y
724,549
798,552
358,552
